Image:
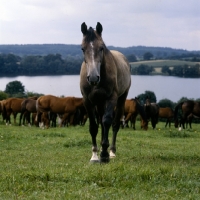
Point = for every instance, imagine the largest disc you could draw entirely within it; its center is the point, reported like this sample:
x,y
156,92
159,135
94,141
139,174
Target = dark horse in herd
x,y
189,110
152,112
105,80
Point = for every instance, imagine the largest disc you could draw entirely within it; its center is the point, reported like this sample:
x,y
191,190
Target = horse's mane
x,y
90,36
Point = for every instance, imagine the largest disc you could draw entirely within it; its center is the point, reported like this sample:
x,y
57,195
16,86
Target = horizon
x,y
134,46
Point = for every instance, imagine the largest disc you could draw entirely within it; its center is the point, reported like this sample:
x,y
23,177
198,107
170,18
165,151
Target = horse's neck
x,y
141,111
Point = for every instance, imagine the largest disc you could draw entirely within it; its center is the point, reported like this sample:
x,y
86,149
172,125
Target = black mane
x,y
90,36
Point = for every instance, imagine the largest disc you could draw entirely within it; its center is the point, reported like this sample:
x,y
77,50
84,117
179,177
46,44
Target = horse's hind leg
x,y
20,118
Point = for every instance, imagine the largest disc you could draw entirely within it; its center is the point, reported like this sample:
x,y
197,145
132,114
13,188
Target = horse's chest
x,y
97,95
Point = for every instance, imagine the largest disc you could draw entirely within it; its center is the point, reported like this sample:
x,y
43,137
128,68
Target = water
x,y
172,88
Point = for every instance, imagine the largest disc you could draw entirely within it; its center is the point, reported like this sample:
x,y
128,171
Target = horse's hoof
x,y
94,161
104,160
112,155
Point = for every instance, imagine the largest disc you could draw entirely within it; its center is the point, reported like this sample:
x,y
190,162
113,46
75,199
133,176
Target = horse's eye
x,y
101,49
83,50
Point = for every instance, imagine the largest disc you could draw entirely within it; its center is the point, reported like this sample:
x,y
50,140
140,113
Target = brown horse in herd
x,y
9,106
132,109
105,80
166,113
65,106
188,109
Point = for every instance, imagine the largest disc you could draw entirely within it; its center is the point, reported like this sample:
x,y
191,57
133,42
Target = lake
x,y
172,88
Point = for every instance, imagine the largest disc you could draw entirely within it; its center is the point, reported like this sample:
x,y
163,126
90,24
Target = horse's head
x,y
93,49
176,123
144,124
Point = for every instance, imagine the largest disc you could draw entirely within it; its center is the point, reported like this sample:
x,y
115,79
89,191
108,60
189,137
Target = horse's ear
x,y
99,28
84,28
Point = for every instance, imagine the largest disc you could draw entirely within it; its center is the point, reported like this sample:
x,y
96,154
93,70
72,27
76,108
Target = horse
x,y
105,80
189,109
63,106
132,109
11,105
152,112
166,113
28,106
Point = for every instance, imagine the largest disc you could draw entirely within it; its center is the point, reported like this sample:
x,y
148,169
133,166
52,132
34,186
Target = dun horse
x,y
132,109
152,112
166,113
104,82
189,108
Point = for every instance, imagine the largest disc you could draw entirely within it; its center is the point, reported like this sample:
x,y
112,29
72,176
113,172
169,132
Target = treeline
x,y
60,59
52,64
186,71
75,50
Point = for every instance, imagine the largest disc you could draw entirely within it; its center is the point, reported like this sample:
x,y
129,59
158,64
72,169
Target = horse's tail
x,y
39,107
177,107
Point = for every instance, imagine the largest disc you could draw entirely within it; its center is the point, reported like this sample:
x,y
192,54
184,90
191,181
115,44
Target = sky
x,y
157,23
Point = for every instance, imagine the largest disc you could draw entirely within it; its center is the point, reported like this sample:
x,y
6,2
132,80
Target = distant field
x,y
161,63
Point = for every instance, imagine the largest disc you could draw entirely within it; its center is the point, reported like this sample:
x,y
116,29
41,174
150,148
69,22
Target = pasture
x,y
161,63
54,164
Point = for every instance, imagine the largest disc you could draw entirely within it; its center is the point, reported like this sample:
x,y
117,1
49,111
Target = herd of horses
x,y
44,110
105,79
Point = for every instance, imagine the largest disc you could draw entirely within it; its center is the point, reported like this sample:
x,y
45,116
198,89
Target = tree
x,y
166,69
131,58
144,69
166,103
14,87
147,94
3,95
148,56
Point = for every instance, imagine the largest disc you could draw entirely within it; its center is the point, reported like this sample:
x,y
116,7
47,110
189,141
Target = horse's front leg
x,y
106,123
93,128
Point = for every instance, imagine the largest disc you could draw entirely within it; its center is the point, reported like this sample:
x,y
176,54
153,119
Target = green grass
x,y
161,63
54,164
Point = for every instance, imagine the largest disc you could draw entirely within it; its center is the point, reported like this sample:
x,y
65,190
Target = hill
x,y
75,50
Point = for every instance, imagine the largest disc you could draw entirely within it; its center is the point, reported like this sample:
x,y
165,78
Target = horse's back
x,y
123,71
14,104
166,112
130,106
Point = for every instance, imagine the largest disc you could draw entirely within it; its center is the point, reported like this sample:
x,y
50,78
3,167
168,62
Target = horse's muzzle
x,y
93,80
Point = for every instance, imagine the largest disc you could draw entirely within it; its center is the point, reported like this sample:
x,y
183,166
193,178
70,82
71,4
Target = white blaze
x,y
92,53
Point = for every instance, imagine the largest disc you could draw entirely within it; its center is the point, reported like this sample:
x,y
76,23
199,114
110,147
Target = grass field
x,y
54,164
161,63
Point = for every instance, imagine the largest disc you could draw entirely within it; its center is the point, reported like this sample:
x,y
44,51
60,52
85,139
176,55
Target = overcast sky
x,y
160,23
